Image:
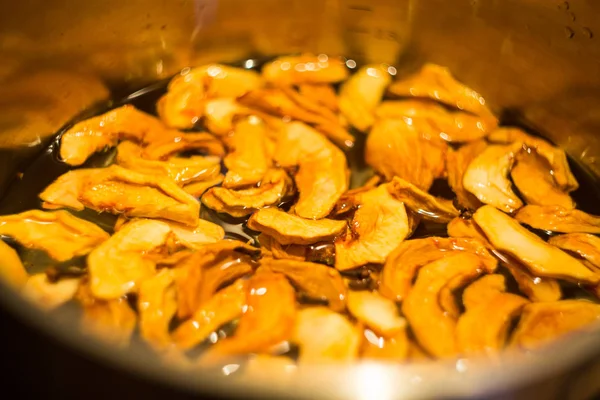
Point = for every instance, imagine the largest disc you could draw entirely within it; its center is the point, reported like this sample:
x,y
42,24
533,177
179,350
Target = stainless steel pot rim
x,y
456,378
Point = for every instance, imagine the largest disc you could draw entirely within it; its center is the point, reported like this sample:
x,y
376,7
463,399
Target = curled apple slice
x,y
541,258
291,229
558,219
60,234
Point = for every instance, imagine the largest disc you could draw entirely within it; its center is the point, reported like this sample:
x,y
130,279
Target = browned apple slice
x,y
457,162
533,177
436,83
534,287
449,126
432,326
376,311
402,265
249,158
181,170
197,189
268,318
199,276
118,266
483,328
396,148
395,348
322,170
121,191
542,259
556,157
226,305
183,104
295,252
361,93
157,304
558,219
379,225
48,295
12,270
427,206
325,336
541,322
291,229
112,321
274,187
317,281
94,134
60,234
322,94
305,68
487,177
169,146
585,245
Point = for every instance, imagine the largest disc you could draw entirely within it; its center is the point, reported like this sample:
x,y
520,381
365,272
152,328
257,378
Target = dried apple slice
x,y
457,162
361,93
585,245
181,170
465,228
291,229
487,177
182,106
323,174
274,187
325,336
542,259
264,367
376,311
268,318
483,328
379,225
449,126
157,304
436,83
395,148
248,159
204,232
434,328
94,134
534,287
12,270
405,261
293,252
558,219
532,176
541,322
169,146
60,234
483,290
226,305
199,276
112,321
322,94
197,189
49,295
121,191
118,266
305,68
427,206
556,157
317,281
395,348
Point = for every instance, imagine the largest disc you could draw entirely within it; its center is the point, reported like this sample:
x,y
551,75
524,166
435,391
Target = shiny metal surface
x,y
537,61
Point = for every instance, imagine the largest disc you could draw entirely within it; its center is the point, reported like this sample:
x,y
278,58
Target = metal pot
x,y
536,61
